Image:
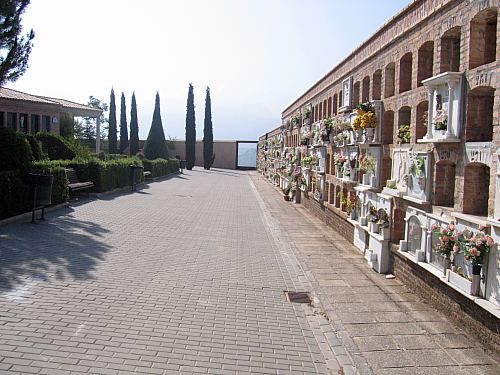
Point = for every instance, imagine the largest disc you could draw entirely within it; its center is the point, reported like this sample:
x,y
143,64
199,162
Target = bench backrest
x,y
71,176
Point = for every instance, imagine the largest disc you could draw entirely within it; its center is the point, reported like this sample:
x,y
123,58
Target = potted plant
x,y
367,164
306,161
372,218
447,243
404,134
383,223
440,120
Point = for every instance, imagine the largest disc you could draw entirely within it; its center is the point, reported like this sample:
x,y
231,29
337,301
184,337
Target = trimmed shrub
x,y
161,167
36,148
15,151
60,193
15,196
56,147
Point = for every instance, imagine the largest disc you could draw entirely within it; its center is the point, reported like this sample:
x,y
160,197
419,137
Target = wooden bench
x,y
74,184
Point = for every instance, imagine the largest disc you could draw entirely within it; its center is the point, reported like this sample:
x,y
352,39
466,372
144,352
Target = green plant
x,y
36,148
112,141
59,186
404,134
134,127
56,147
208,136
367,163
372,215
161,167
15,196
306,160
190,144
66,122
155,146
417,166
123,126
15,151
307,112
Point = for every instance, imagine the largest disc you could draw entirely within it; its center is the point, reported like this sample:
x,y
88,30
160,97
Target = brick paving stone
x,y
184,276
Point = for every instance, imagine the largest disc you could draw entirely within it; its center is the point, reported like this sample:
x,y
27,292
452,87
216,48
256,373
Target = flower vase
x,y
366,179
352,215
386,233
446,264
373,227
358,135
363,221
373,181
368,135
476,280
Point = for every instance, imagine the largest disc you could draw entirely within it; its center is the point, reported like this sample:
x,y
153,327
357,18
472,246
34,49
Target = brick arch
x,y
340,98
377,85
450,50
404,116
480,114
405,72
334,104
425,62
388,128
385,173
355,94
444,183
398,228
365,90
483,38
337,196
476,189
390,80
421,123
345,193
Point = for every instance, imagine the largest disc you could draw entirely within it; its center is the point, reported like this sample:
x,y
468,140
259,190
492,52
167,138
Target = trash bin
x,y
41,183
136,173
183,164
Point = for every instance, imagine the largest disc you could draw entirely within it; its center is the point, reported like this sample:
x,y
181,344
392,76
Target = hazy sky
x,y
257,56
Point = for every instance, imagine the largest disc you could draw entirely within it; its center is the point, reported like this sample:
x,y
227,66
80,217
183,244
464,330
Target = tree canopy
x,y
155,146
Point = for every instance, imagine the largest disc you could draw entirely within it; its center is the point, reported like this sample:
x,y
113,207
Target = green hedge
x,y
15,151
60,191
15,195
161,167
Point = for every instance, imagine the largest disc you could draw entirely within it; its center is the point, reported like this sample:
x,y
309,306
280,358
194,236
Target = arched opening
x,y
422,122
377,85
320,117
386,170
450,50
398,229
324,108
476,189
337,196
340,98
365,93
404,118
425,62
329,111
355,94
405,72
344,195
327,163
390,80
414,235
388,128
444,184
334,103
316,114
479,126
331,194
483,38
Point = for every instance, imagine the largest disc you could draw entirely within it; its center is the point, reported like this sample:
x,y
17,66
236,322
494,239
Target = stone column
x,y
430,93
451,94
97,135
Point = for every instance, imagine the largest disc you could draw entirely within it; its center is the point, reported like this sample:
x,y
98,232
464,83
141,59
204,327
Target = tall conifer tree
x,y
112,124
190,130
123,126
134,127
208,137
155,146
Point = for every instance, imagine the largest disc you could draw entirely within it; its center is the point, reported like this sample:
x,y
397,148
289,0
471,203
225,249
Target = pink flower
x,y
475,252
434,227
445,238
451,226
489,241
456,248
453,238
442,230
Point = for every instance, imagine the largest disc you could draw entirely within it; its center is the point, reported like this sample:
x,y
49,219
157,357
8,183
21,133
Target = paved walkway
x,y
184,276
384,328
187,276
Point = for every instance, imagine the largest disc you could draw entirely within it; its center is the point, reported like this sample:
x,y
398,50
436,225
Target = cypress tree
x,y
123,126
134,127
112,124
190,130
155,146
208,137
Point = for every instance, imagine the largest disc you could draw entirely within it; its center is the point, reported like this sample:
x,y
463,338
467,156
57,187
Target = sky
x,y
257,56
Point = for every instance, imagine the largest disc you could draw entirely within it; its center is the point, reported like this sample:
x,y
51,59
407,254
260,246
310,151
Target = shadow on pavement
x,y
62,247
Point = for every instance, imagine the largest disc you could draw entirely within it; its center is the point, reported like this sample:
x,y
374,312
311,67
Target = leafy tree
x,y
134,127
190,130
14,49
86,129
112,124
123,126
66,126
155,146
208,137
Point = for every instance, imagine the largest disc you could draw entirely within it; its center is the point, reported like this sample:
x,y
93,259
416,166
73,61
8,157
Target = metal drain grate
x,y
298,297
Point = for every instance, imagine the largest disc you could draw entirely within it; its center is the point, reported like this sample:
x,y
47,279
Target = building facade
x,y
398,145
